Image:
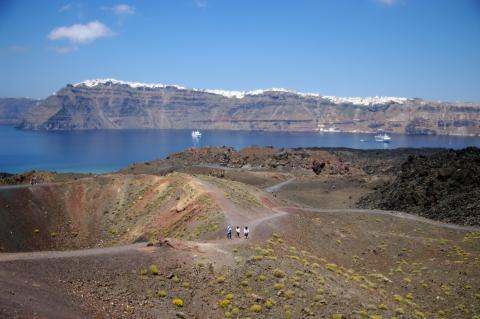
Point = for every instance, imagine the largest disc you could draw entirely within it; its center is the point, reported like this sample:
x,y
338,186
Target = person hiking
x,y
229,232
238,231
245,232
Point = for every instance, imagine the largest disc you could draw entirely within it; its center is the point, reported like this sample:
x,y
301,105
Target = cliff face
x,y
117,105
13,110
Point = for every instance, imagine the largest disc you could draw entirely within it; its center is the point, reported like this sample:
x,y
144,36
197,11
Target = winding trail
x,y
21,186
234,216
277,187
48,254
396,214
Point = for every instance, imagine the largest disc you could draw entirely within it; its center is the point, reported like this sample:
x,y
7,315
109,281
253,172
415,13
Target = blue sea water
x,y
109,150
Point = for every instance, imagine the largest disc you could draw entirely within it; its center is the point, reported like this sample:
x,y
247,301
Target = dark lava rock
x,y
318,166
443,186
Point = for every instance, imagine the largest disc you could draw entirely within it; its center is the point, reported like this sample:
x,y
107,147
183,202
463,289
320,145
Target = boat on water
x,y
385,138
324,129
196,134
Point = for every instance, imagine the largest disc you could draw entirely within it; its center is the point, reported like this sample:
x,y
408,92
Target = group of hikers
x,y
34,180
237,229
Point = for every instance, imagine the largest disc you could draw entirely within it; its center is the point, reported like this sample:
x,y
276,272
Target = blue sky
x,y
412,48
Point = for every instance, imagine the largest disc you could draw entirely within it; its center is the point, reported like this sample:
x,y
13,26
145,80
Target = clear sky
x,y
412,48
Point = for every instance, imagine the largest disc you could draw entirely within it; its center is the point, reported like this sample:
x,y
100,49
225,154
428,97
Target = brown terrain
x,y
149,241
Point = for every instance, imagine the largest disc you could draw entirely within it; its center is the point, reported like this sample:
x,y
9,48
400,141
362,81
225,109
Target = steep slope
x,y
13,110
105,210
443,186
111,104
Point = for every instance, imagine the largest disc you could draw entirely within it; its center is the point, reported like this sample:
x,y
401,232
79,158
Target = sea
x,y
100,151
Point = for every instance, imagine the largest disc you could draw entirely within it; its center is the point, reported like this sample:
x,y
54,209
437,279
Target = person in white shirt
x,y
238,231
245,232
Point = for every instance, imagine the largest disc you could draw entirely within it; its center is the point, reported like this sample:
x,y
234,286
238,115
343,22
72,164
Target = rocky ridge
x,y
111,104
13,110
443,186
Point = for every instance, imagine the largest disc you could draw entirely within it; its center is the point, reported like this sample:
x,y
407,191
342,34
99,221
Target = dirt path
x,y
402,215
70,253
396,214
233,214
277,187
20,186
261,220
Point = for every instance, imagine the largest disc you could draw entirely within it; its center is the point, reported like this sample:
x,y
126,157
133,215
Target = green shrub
x,y
261,278
177,302
278,273
270,303
256,308
186,285
154,270
256,257
331,267
229,296
221,279
175,279
143,272
162,293
278,286
249,274
289,294
224,303
244,283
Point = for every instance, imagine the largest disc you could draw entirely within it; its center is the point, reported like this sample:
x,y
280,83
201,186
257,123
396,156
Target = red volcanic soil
x,y
69,248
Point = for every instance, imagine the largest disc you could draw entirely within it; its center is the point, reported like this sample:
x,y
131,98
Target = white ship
x,y
385,138
323,129
196,134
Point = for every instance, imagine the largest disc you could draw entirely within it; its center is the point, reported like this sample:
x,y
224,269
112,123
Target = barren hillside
x,y
141,244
